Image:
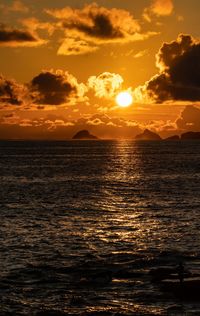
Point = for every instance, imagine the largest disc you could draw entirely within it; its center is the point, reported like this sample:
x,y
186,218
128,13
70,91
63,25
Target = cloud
x,y
106,85
72,46
94,25
179,76
56,88
189,119
98,22
158,8
160,126
15,38
141,53
52,126
94,122
16,6
103,126
33,25
108,127
11,93
162,7
47,89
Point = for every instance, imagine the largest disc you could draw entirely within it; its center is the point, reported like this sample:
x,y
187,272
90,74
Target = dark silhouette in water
x,y
178,281
160,274
181,271
170,273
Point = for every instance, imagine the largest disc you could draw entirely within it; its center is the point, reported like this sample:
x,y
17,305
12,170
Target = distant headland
x,y
84,134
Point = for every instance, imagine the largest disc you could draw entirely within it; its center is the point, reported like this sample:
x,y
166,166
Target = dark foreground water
x,y
84,223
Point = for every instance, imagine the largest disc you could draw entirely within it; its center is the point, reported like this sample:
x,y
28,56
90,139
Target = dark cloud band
x,y
50,88
15,36
101,27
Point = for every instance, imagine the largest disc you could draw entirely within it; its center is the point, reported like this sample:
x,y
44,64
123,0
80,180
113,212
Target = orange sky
x,y
63,63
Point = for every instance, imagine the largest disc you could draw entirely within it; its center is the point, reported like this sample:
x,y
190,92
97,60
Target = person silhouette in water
x,y
180,271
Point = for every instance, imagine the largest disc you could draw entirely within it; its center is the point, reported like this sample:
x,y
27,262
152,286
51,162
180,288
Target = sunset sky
x,y
64,62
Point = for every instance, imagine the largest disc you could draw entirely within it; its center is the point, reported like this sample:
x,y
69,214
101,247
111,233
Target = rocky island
x,y
190,136
174,137
84,135
148,135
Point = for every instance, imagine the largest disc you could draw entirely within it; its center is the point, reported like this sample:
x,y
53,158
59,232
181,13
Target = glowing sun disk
x,y
124,99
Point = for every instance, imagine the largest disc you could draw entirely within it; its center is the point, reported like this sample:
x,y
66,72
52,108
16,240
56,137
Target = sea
x,y
85,224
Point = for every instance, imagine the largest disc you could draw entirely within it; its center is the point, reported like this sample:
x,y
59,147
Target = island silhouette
x,y
149,135
84,134
174,137
190,135
146,135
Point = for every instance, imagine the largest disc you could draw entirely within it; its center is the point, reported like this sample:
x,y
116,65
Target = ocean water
x,y
84,223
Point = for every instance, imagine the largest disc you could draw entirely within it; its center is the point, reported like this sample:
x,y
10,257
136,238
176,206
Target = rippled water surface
x,y
83,224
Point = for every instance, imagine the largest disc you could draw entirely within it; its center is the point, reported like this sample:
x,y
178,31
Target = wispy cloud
x,y
75,46
141,53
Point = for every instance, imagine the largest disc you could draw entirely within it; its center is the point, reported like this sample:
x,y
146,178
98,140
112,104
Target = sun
x,y
124,99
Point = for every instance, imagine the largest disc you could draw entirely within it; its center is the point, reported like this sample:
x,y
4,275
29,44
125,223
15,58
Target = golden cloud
x,y
72,46
106,85
162,7
33,25
94,25
158,8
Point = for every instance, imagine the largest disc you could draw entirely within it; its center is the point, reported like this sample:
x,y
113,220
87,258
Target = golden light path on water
x,y
122,229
